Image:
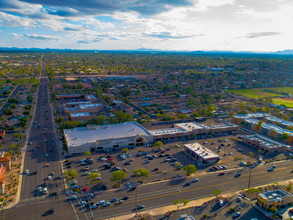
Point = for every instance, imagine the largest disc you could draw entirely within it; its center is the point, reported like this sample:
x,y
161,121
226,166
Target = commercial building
x,y
201,154
279,121
80,116
270,130
105,137
92,108
239,118
265,144
94,138
69,96
275,198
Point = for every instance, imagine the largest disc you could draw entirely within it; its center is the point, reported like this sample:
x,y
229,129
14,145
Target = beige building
x,y
106,137
276,198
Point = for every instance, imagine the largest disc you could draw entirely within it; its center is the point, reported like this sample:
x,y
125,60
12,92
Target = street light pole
x,y
249,178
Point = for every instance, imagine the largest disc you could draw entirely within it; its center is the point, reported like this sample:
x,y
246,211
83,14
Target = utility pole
x,y
249,178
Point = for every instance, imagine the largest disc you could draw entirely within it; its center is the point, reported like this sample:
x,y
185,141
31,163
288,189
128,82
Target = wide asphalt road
x,y
155,195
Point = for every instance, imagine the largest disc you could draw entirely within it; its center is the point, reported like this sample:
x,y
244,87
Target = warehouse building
x,y
105,137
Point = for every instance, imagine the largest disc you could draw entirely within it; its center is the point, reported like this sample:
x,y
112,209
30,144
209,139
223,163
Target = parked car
x,y
26,171
236,214
237,175
72,198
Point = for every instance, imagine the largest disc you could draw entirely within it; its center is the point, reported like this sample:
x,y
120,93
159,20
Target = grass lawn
x,y
279,101
282,89
254,93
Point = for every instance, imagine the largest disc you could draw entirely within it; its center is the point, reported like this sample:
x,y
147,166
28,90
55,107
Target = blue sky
x,y
237,25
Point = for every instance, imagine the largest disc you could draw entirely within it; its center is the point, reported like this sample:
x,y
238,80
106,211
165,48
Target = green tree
x,y
158,144
125,150
18,135
216,192
180,203
94,175
284,136
86,153
71,173
144,173
273,209
118,175
59,119
289,187
189,169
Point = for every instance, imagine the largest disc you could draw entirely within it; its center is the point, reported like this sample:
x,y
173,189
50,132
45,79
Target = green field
x,y
288,103
282,89
254,93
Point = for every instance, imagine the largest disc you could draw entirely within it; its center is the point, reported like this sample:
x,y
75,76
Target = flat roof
x,y
280,120
91,96
189,126
167,131
85,135
252,115
77,103
201,151
266,142
93,105
79,114
277,129
224,125
275,194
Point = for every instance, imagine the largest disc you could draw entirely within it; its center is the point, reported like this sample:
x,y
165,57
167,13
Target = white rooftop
x,y
167,131
201,151
265,141
79,114
280,120
85,135
189,126
93,105
252,115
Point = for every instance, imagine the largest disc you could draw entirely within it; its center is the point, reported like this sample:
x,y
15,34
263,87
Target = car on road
x,y
139,207
125,198
237,175
120,201
272,168
194,180
187,184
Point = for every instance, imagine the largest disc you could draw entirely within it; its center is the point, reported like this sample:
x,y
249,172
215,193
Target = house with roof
x,y
275,198
2,178
5,159
2,133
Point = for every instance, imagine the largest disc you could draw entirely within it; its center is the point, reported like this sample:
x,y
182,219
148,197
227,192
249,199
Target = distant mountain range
x,y
15,49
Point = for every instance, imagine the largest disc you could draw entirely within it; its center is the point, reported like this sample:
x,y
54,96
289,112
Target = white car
x,y
45,190
40,189
27,171
49,177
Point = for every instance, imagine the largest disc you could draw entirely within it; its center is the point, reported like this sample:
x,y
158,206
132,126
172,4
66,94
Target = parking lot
x,y
161,162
